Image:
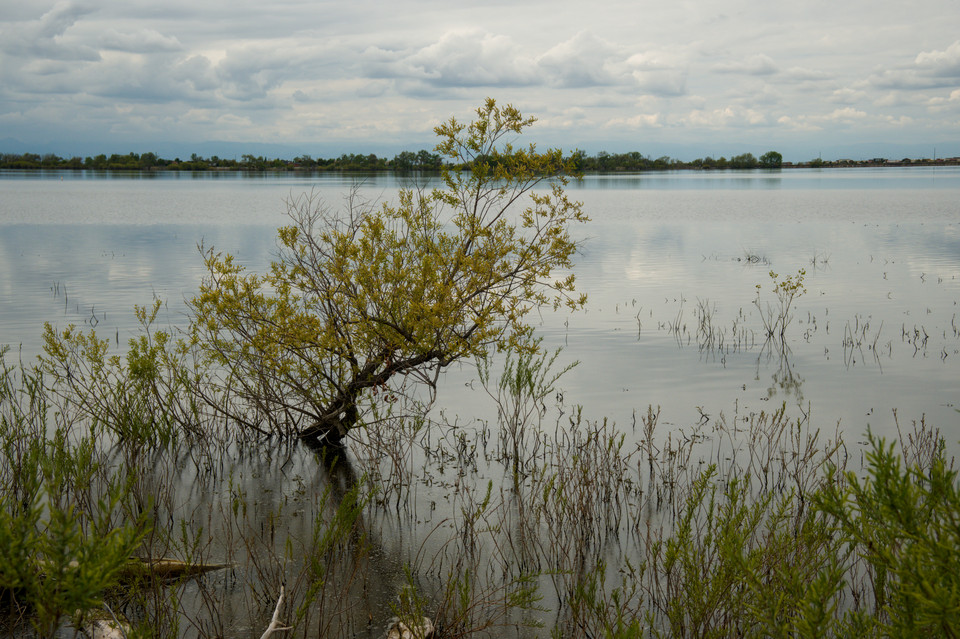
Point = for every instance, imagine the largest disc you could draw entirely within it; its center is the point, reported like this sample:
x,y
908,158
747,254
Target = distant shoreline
x,y
426,162
876,162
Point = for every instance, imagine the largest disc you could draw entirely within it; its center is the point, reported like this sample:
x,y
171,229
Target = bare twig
x,y
275,620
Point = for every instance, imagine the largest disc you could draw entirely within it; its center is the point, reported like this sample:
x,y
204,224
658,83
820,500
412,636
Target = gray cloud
x,y
463,59
584,61
139,41
353,71
47,37
758,64
467,58
803,74
929,69
197,71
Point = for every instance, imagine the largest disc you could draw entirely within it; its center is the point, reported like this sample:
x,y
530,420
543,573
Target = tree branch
x,y
275,620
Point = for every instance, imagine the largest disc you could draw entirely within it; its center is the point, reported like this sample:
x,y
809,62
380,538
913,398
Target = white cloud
x,y
468,58
725,117
583,61
939,104
232,121
798,124
944,63
845,114
711,119
663,83
654,60
902,121
847,95
842,119
638,121
929,69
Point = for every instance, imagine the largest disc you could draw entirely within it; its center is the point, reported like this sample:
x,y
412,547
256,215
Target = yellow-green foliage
x,y
360,296
143,396
61,546
776,319
904,521
856,556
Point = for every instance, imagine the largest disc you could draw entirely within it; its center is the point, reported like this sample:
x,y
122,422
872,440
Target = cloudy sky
x,y
850,78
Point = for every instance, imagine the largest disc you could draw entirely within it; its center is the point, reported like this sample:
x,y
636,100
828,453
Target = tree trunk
x,y
334,425
342,413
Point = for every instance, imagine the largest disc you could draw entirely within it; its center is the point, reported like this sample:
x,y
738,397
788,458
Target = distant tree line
x,y
402,162
635,161
405,161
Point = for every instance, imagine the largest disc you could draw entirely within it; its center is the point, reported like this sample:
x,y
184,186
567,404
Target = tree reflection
x,y
784,378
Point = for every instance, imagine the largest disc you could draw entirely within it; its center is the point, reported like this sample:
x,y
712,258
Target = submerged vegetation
x,y
164,490
749,524
361,297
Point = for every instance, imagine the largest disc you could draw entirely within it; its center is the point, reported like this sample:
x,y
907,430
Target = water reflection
x,y
671,323
636,275
775,355
697,180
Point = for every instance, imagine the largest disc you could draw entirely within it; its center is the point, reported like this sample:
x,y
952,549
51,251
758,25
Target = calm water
x,y
881,248
665,254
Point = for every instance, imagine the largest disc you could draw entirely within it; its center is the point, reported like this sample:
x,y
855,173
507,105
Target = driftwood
x,y
163,568
103,624
169,568
275,620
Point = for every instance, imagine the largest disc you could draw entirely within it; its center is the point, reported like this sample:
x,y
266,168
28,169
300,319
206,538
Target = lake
x,y
881,249
671,263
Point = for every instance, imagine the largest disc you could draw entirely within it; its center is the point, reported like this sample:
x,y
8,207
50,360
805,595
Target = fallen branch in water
x,y
171,568
162,568
275,621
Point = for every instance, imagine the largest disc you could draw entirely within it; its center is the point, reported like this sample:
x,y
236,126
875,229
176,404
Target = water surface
x,y
881,247
671,264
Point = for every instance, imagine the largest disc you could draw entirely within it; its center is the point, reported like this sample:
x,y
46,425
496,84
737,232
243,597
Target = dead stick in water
x,y
275,621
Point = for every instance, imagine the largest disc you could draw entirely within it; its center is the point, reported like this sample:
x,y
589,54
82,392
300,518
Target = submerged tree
x,y
362,299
